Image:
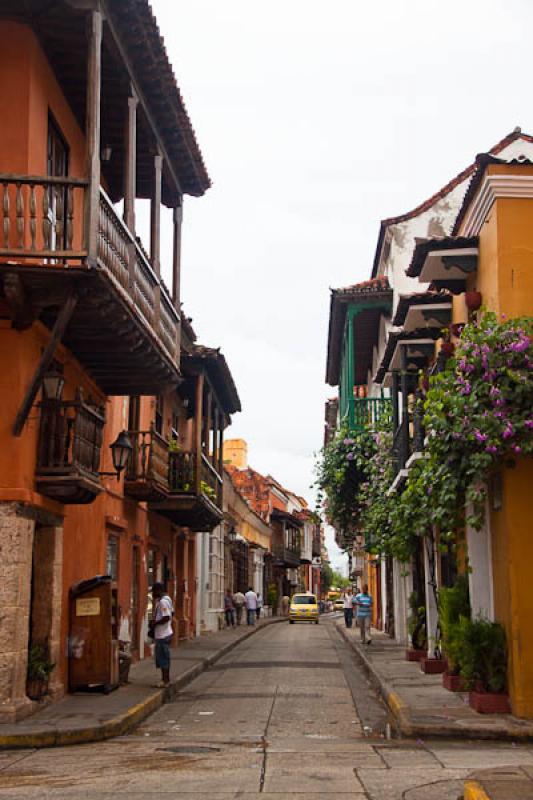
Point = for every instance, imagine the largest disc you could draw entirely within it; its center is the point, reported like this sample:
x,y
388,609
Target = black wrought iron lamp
x,y
52,385
121,450
232,535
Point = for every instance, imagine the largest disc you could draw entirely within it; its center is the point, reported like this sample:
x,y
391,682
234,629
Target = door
x,y
134,605
56,167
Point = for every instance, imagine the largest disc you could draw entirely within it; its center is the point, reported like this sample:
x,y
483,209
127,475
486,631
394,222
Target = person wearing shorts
x,y
162,627
363,604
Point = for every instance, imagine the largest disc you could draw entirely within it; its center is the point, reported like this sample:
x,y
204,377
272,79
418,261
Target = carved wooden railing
x,y
149,458
183,476
123,256
211,482
70,438
42,217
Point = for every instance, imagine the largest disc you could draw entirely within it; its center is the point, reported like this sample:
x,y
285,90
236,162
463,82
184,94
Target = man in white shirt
x,y
162,632
348,607
250,599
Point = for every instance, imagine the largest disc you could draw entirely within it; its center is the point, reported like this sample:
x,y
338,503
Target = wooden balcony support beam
x,y
92,134
58,330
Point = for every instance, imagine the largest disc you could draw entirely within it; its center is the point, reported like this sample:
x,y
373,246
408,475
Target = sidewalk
x,y
81,718
421,707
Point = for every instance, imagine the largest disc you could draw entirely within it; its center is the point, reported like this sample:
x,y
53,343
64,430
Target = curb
x,y
475,791
408,726
127,721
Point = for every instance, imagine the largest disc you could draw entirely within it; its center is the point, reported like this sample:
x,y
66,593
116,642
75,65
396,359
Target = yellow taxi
x,y
303,608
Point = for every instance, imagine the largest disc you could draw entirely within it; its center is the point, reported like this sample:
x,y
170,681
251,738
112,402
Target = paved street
x,y
287,714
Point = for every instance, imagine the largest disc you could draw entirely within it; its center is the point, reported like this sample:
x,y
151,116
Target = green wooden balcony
x,y
366,412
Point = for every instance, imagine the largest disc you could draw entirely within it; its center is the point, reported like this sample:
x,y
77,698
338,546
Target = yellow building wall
x,y
505,280
236,453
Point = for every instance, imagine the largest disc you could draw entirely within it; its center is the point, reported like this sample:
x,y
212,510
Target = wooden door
x,y
57,167
134,605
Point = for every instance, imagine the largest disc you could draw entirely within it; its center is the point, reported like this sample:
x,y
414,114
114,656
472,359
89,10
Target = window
x,y
111,561
159,414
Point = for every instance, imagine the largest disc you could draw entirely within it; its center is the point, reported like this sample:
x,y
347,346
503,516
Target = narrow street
x,y
286,714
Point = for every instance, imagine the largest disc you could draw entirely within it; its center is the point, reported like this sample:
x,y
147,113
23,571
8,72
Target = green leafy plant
x,y
482,654
341,469
454,605
173,446
272,595
39,664
207,490
417,623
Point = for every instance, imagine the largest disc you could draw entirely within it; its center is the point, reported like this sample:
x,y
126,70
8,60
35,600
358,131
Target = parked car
x,y
303,608
338,605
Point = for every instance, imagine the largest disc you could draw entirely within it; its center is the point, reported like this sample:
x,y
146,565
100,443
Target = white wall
x,y
480,580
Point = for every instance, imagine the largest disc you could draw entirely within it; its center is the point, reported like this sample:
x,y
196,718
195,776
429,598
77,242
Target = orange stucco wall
x,y
29,93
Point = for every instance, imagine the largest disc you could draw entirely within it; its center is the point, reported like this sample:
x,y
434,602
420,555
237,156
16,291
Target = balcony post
x,y
395,408
92,133
199,413
130,180
155,232
404,444
177,218
130,163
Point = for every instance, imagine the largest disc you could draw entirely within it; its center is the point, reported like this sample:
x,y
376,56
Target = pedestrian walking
x,y
161,631
250,598
363,602
238,602
348,607
259,605
229,609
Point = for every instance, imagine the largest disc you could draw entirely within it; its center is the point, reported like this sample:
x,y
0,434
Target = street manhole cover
x,y
189,749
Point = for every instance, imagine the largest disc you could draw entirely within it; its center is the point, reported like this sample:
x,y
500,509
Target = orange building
x,y
90,336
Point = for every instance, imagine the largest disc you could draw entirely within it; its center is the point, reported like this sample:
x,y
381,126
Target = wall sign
x,y
88,607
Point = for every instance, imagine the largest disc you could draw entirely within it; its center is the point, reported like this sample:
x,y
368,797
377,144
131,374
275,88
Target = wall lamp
x,y
121,450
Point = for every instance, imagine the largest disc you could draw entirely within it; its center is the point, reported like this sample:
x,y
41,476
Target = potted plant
x,y
39,669
473,300
454,605
417,630
483,656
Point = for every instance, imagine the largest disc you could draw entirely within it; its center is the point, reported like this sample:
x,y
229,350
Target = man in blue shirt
x,y
363,604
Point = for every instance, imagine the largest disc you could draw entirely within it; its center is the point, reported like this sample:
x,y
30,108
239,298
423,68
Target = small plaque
x,y
88,607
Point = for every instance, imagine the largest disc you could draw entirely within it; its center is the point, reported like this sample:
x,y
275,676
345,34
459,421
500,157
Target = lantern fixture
x,y
121,450
52,385
232,535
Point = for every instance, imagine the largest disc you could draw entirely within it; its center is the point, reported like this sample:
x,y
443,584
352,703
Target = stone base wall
x,y
18,533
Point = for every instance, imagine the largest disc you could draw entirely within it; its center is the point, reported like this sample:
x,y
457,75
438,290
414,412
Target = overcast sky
x,y
316,120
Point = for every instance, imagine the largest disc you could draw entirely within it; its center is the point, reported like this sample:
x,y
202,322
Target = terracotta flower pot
x,y
414,655
454,683
489,702
473,300
36,689
433,666
448,348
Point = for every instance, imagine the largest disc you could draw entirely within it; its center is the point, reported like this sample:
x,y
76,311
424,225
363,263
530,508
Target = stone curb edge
x,y
413,729
475,791
124,723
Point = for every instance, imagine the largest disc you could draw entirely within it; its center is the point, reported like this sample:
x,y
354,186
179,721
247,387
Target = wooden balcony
x,y
288,557
70,440
124,328
194,498
317,544
146,476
